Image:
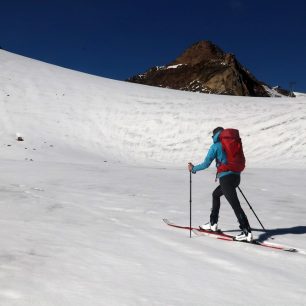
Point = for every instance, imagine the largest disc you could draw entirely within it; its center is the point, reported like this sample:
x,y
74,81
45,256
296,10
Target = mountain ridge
x,y
204,67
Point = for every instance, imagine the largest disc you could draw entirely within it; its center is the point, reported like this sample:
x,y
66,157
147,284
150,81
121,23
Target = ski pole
x,y
252,209
190,201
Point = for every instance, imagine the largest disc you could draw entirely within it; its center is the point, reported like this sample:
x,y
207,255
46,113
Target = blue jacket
x,y
215,153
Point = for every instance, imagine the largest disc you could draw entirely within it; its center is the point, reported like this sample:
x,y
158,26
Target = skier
x,y
229,181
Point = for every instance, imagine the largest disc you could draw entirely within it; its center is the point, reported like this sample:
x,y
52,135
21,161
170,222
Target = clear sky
x,y
118,39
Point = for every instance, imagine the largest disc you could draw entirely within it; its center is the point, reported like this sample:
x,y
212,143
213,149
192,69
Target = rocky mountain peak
x,y
202,51
204,67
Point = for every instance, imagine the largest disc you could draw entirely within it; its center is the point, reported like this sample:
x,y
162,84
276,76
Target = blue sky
x,y
117,39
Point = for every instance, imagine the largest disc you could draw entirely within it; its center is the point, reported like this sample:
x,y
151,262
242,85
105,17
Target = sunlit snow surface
x,y
102,162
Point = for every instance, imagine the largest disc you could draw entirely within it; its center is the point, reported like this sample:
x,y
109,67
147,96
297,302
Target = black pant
x,y
227,187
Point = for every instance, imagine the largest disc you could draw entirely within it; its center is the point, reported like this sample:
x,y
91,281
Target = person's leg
x,y
214,216
228,184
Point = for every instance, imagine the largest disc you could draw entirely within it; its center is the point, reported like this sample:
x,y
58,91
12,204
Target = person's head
x,y
217,129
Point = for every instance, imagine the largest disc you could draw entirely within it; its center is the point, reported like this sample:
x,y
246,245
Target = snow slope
x,y
83,197
136,123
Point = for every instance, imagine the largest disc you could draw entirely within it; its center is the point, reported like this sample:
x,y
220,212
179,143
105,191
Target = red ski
x,y
223,236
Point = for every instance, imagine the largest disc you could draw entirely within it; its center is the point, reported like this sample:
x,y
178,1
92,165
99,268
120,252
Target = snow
x,y
272,92
103,161
175,66
300,94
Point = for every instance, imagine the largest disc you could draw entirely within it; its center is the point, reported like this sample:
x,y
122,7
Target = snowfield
x,y
103,161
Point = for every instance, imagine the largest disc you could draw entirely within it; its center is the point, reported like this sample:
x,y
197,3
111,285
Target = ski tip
x,y
168,222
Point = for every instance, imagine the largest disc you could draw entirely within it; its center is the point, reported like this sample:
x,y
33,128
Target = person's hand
x,y
190,166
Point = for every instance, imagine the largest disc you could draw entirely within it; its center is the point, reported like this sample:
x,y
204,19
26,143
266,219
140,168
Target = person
x,y
229,181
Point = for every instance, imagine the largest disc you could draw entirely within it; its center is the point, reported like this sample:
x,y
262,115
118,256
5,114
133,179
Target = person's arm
x,y
211,155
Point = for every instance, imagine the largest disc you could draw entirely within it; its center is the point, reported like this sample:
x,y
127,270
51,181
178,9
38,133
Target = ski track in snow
x,y
103,161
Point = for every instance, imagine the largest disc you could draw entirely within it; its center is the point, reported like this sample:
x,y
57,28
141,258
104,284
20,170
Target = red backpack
x,y
232,146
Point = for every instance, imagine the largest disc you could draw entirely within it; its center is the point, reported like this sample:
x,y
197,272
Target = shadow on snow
x,y
296,230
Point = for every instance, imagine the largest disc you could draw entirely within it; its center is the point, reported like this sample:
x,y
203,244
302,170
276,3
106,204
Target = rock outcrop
x,y
204,67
